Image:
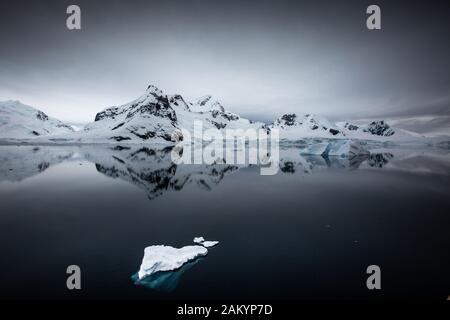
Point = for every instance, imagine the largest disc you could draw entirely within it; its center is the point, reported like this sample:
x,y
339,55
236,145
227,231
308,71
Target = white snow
x,y
203,242
209,244
165,258
199,240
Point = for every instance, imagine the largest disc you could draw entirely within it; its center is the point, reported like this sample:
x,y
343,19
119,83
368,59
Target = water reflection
x,y
18,163
380,159
165,281
152,170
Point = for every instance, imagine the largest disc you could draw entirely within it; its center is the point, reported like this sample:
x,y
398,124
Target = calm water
x,y
308,232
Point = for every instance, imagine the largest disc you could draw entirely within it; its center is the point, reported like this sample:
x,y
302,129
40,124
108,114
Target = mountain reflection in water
x,y
151,168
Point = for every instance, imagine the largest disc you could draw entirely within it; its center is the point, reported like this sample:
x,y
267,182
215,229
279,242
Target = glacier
x,y
340,148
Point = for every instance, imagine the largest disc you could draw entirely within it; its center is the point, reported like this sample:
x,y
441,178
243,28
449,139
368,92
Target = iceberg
x,y
199,240
163,266
165,258
346,148
341,148
318,148
206,244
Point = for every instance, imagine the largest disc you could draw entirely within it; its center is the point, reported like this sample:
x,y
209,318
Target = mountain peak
x,y
151,89
203,100
379,128
207,104
289,119
306,125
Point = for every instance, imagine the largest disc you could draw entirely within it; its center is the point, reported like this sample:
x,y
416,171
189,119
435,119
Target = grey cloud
x,y
260,58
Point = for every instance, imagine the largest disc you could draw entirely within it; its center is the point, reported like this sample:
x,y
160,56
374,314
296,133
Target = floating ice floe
x,y
165,258
162,266
199,240
206,244
341,148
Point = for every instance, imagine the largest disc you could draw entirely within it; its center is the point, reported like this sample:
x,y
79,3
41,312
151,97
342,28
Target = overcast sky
x,y
259,58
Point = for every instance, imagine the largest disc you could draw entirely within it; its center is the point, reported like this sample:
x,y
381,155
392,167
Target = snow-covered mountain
x,y
292,126
19,121
296,127
376,130
157,117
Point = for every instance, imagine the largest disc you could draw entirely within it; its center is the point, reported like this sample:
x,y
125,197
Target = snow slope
x,y
20,121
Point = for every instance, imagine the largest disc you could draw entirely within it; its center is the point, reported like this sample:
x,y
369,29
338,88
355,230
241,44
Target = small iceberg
x,y
207,244
166,258
162,266
199,240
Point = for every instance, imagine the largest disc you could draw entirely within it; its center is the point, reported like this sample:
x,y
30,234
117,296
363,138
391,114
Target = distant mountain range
x,y
158,117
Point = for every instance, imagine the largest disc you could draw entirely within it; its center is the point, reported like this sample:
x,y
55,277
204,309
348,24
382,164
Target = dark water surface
x,y
308,232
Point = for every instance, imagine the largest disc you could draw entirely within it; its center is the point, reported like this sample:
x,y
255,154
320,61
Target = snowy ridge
x,y
21,121
292,126
377,130
296,127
